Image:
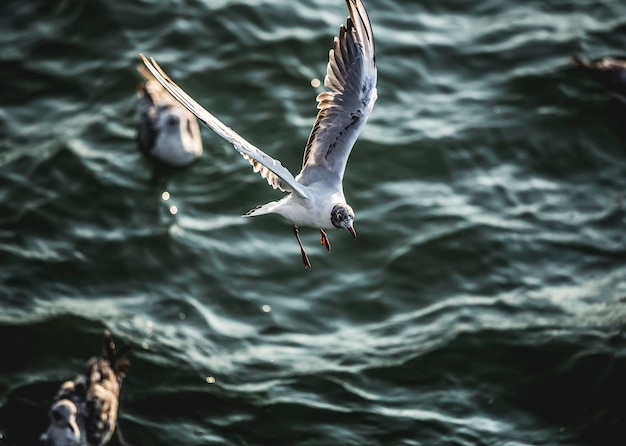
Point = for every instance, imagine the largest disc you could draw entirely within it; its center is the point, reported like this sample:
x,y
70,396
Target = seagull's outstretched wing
x,y
269,168
345,106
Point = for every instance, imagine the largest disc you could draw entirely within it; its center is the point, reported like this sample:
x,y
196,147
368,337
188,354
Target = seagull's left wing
x,y
271,169
345,106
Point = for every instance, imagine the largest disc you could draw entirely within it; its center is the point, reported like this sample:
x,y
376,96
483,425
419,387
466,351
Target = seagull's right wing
x,y
347,102
269,168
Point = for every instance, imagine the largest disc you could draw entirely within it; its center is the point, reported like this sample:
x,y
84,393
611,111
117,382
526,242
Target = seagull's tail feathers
x,y
114,355
262,209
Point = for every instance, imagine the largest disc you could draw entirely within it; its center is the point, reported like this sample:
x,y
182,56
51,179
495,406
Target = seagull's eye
x,y
57,416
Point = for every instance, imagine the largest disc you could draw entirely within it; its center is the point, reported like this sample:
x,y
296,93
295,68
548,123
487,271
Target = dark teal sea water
x,y
483,303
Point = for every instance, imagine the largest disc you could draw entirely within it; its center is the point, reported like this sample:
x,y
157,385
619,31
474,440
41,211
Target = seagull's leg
x,y
305,259
324,240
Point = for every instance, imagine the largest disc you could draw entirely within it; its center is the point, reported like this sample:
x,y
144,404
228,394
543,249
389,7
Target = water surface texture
x,y
483,303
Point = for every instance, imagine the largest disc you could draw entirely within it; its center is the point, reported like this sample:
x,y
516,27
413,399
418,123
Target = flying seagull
x,y
84,411
166,131
316,198
608,72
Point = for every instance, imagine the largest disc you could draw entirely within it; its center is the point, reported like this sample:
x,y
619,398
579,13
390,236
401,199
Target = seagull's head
x,y
178,136
63,429
342,216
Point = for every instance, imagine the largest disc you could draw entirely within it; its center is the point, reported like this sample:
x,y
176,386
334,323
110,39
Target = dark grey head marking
x,y
341,215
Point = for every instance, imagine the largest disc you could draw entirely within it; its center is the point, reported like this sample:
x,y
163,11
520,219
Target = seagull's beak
x,y
350,228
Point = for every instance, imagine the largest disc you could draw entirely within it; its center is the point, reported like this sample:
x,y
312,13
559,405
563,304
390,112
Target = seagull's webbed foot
x,y
324,240
305,259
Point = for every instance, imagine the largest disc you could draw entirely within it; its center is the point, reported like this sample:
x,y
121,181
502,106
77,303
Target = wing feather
x,y
345,106
271,169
